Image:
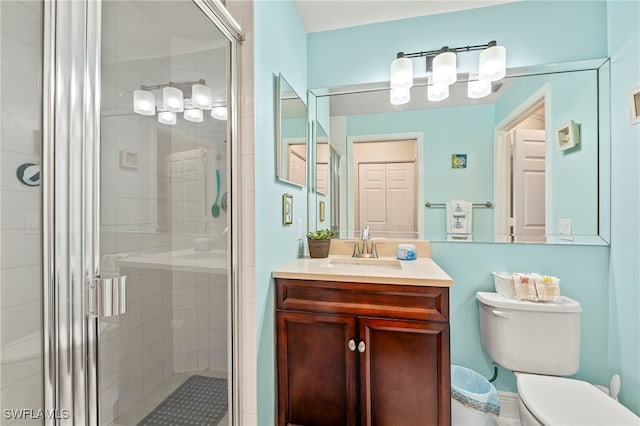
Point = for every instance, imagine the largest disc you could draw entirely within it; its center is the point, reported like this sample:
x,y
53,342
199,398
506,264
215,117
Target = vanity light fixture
x,y
442,68
144,103
219,112
477,89
400,95
194,115
437,92
173,101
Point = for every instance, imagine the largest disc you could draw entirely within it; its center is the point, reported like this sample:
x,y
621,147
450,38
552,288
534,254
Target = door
x,y
386,197
316,369
404,372
164,176
529,185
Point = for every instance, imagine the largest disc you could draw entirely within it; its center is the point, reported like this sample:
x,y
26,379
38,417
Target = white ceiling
x,y
323,15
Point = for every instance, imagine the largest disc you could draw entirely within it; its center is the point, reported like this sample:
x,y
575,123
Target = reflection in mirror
x,y
327,180
499,160
291,134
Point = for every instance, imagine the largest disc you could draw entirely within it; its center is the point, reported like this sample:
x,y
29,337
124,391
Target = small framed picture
x,y
322,211
568,135
634,105
458,161
287,209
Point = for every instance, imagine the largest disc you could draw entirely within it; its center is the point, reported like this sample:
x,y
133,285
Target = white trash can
x,y
474,401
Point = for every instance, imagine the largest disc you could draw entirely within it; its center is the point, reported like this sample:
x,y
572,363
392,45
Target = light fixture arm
x,y
433,53
173,84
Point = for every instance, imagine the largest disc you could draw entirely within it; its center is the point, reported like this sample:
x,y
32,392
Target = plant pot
x,y
319,248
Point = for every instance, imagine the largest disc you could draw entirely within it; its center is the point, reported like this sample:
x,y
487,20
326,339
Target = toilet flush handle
x,y
501,314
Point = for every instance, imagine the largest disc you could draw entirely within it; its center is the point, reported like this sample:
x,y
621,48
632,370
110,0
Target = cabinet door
x,y
316,369
404,372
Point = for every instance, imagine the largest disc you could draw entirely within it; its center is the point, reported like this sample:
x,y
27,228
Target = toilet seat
x,y
560,401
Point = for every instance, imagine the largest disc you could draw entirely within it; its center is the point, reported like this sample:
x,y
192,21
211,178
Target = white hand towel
x,y
459,220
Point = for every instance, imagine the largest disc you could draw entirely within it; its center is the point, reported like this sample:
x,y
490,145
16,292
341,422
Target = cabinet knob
x,y
361,347
352,345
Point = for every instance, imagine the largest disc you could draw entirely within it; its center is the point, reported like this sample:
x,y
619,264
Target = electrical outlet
x,y
299,230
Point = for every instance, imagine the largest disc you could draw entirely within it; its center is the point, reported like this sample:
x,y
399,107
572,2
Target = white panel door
x,y
529,185
387,197
187,190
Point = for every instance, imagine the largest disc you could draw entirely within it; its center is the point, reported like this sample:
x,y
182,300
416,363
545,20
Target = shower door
x,y
139,137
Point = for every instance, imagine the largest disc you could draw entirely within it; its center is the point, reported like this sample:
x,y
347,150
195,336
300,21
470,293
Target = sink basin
x,y
362,263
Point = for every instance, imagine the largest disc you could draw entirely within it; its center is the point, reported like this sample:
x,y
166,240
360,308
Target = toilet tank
x,y
531,337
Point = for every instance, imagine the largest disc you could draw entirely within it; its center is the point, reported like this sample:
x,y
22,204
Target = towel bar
x,y
488,204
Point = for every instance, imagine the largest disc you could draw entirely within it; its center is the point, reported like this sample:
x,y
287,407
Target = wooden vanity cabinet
x,y
362,354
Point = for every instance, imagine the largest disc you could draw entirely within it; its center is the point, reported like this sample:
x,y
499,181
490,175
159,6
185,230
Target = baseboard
x,y
509,404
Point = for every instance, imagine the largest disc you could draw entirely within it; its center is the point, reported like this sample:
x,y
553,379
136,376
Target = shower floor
x,y
142,408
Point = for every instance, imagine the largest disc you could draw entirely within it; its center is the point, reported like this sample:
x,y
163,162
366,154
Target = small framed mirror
x,y
291,134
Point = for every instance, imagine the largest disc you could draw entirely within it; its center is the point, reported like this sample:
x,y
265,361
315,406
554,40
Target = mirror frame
x,y
279,80
603,101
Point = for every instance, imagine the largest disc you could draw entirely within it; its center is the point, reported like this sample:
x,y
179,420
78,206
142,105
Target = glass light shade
x,y
201,96
144,103
437,92
445,68
167,117
401,73
493,64
219,112
194,115
399,96
172,99
478,89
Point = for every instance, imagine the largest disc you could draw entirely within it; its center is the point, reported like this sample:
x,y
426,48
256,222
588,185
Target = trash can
x,y
474,401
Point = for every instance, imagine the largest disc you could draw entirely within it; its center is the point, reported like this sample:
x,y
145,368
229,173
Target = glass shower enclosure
x,y
118,194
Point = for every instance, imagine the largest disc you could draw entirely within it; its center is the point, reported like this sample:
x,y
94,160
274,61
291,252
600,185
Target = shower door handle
x,y
108,295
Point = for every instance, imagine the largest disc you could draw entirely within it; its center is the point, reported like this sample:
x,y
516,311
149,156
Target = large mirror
x,y
528,163
291,134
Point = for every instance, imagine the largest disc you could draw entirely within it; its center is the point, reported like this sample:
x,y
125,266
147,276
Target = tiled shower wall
x,y
20,206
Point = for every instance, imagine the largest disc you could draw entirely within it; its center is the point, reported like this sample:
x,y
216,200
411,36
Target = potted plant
x,y
319,242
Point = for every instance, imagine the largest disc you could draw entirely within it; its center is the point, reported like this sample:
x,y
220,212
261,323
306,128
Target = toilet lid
x,y
561,401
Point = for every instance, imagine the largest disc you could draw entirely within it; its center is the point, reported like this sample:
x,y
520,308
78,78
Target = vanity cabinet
x,y
362,354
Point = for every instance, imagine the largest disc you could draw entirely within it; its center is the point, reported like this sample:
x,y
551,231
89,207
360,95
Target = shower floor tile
x,y
142,408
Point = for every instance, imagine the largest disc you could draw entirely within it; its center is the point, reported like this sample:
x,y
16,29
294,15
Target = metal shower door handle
x,y
108,295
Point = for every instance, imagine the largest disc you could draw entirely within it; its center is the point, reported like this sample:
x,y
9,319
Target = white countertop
x,y
212,261
422,271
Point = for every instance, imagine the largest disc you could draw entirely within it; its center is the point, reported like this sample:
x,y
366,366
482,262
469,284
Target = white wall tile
x,y
20,59
20,321
20,285
21,134
18,97
22,22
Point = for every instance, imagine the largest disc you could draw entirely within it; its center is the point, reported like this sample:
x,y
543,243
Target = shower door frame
x,y
71,205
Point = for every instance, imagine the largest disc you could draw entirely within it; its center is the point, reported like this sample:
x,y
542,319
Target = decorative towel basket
x,y
503,282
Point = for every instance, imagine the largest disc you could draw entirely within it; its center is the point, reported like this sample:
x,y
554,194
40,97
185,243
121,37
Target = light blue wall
x,y
280,47
534,32
624,279
443,135
362,55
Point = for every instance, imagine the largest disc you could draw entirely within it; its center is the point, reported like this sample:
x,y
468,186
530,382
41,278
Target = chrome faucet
x,y
364,235
365,239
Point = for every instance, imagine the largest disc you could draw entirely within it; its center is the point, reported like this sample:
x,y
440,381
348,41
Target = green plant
x,y
322,234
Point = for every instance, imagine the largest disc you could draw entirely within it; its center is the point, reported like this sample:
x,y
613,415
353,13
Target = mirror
x,y
327,190
401,167
291,134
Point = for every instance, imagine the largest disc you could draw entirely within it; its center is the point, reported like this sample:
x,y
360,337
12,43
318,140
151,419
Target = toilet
x,y
540,343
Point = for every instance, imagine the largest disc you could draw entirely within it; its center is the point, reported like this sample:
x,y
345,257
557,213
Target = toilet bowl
x,y
540,342
550,400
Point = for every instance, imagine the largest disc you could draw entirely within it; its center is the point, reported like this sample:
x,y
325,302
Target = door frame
x,y
386,137
71,204
502,168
